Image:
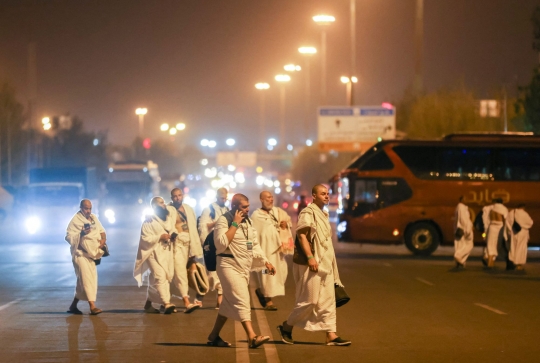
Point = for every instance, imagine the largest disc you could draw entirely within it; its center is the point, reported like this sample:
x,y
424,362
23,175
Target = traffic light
x,y
146,143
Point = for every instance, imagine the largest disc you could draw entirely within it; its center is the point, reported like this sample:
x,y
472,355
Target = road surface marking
x,y
487,307
387,264
242,355
65,277
425,281
269,349
5,306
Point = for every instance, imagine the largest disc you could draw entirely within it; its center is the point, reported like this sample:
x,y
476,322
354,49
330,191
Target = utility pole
x,y
419,50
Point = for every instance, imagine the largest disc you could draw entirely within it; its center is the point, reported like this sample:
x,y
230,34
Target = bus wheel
x,y
422,239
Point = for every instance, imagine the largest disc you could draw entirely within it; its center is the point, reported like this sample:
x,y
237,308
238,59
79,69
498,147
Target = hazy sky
x,y
197,61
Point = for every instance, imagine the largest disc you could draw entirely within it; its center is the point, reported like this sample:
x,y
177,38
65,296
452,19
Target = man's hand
x,y
164,237
102,242
238,217
283,225
85,231
313,265
271,269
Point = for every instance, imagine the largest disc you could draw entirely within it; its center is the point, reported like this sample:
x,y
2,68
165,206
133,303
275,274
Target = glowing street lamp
x,y
262,86
164,127
272,142
349,82
173,131
141,112
204,142
323,20
307,50
292,68
45,120
230,142
180,126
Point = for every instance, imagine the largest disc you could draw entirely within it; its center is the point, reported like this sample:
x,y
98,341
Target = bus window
x,y
379,161
365,196
422,161
464,163
517,164
393,191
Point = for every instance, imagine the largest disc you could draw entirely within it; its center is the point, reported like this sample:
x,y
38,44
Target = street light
x,y
45,120
212,144
230,142
173,131
323,21
180,126
204,142
164,127
308,52
349,82
272,141
282,79
262,86
141,112
292,67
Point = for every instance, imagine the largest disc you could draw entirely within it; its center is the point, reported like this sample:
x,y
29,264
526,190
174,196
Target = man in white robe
x,y
269,221
463,228
496,216
186,246
519,239
238,253
155,256
315,308
207,223
86,237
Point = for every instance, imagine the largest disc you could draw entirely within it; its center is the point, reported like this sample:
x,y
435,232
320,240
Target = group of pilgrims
x,y
174,246
506,233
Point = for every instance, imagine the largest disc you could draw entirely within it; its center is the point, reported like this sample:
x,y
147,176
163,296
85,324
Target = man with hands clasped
x,y
238,252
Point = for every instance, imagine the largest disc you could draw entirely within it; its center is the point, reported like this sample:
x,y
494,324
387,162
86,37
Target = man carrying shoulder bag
x,y
315,274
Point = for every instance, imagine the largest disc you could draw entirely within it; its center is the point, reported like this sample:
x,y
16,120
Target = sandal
x,y
218,342
75,311
258,341
191,308
95,311
169,309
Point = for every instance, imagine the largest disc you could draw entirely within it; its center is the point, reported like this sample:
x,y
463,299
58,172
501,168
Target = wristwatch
x,y
234,224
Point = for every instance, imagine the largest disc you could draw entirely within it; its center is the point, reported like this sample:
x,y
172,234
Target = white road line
x,y
487,307
387,264
424,281
65,277
242,355
5,306
269,349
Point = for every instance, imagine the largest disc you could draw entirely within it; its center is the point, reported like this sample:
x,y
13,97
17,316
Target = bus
x,y
406,191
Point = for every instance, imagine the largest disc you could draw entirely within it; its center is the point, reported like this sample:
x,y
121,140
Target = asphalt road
x,y
403,309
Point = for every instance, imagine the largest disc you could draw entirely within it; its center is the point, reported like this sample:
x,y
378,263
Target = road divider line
x,y
242,355
487,307
5,306
424,281
269,349
65,277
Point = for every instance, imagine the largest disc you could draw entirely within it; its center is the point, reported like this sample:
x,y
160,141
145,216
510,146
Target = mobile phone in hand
x,y
174,235
86,225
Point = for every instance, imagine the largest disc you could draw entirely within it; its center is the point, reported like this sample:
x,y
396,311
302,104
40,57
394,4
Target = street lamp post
x,y
262,86
141,112
308,52
282,79
323,21
349,83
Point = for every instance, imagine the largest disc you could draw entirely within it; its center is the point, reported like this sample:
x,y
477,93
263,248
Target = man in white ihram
x,y
315,308
269,221
207,223
155,256
87,238
463,236
494,217
186,246
238,253
518,223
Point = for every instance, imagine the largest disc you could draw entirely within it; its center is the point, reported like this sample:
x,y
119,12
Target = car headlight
x,y
32,224
342,227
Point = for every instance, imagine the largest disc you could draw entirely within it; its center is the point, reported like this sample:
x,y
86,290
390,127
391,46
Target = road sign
x,y
355,128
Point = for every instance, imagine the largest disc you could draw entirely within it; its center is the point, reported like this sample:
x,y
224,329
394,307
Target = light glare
x,y
283,78
164,127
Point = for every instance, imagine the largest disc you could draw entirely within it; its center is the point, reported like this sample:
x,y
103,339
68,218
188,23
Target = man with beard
x,y
315,308
187,246
207,224
270,221
238,253
87,238
155,256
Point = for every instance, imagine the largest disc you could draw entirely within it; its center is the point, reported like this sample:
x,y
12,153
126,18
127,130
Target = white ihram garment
x,y
155,258
234,272
494,228
84,250
315,308
204,231
465,244
187,244
519,241
267,226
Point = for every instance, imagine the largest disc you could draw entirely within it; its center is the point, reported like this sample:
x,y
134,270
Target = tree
x,y
529,103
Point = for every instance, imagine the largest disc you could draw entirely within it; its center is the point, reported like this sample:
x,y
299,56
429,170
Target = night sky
x,y
197,61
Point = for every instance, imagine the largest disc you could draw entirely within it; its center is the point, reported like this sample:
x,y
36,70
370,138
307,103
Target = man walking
x,y
186,246
270,221
495,218
518,223
238,252
87,239
315,308
463,234
155,256
207,223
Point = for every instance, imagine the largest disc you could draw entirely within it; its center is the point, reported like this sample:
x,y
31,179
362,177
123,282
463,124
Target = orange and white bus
x,y
407,190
